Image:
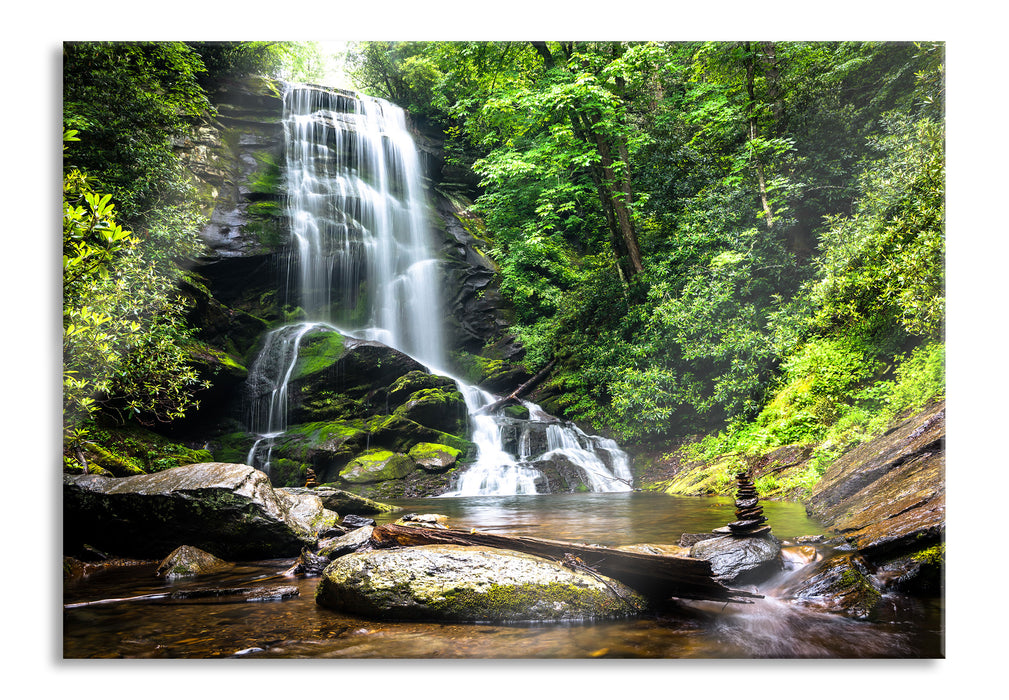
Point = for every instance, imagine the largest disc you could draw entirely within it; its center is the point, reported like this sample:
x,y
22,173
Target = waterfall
x,y
361,263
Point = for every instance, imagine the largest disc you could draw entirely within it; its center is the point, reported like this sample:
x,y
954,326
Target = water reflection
x,y
298,628
610,519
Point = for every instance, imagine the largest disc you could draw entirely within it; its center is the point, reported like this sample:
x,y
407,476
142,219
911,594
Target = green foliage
x,y
229,59
124,337
128,101
886,260
122,329
788,198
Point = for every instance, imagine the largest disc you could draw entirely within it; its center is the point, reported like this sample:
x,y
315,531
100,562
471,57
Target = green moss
x,y
425,450
933,556
317,353
268,179
476,368
130,450
416,380
377,465
288,472
859,586
533,601
697,478
215,357
516,411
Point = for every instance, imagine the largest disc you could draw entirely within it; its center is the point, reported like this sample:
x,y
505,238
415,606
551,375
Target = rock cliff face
x,y
887,497
238,164
361,415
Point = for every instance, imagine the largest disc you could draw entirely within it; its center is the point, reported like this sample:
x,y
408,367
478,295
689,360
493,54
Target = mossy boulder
x,y
377,465
417,484
440,408
474,584
704,478
347,503
491,374
132,450
401,389
517,411
918,573
433,457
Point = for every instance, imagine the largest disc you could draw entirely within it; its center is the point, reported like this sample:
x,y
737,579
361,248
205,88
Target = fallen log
x,y
245,594
514,396
654,576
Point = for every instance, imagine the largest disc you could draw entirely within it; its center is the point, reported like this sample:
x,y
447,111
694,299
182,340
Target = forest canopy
x,y
703,232
746,237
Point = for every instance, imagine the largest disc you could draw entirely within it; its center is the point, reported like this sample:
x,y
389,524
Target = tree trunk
x,y
771,75
752,114
537,378
612,180
653,575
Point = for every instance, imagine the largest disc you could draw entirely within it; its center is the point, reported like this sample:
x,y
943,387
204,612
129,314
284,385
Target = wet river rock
x,y
887,497
190,561
739,559
228,510
841,583
475,584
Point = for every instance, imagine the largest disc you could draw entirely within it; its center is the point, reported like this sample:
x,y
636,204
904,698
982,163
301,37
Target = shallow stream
x,y
298,628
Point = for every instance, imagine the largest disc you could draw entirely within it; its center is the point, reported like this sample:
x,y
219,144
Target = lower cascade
x,y
361,265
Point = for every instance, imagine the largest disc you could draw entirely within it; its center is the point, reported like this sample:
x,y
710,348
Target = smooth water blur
x,y
610,519
298,628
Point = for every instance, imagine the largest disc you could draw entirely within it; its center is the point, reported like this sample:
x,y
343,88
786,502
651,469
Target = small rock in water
x,y
250,650
354,541
190,561
356,521
689,539
309,564
737,559
236,595
335,531
432,520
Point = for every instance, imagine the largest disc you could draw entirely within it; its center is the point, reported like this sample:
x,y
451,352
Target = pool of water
x,y
298,628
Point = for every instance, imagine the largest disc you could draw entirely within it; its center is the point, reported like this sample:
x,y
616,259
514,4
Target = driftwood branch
x,y
653,575
514,396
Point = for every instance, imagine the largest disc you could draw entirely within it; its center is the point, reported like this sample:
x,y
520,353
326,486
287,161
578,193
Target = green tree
x,y
123,331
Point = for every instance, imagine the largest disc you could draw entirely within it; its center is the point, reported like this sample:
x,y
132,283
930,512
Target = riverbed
x,y
298,628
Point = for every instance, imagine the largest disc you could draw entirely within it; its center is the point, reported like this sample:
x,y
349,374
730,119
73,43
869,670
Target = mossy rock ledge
x,y
469,584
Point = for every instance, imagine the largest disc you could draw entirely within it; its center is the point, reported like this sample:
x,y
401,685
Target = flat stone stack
x,y
310,479
749,515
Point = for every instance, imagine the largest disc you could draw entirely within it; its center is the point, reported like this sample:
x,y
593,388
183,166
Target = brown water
x,y
298,628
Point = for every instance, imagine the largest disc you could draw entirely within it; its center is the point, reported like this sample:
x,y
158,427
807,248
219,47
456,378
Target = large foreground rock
x,y
739,559
229,510
887,497
477,584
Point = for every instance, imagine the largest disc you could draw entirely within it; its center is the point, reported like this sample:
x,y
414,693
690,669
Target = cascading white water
x,y
361,264
357,212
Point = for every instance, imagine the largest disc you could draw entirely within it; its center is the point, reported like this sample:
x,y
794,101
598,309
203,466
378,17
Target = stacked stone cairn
x,y
310,482
749,515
